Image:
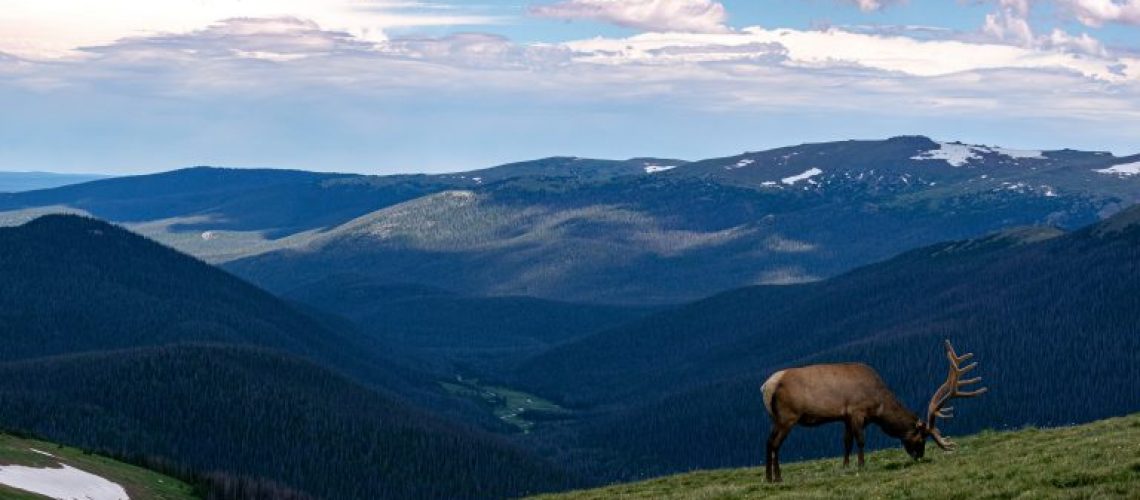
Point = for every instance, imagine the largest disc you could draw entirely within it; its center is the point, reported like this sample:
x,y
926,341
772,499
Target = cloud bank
x,y
52,28
874,5
287,85
688,16
1099,12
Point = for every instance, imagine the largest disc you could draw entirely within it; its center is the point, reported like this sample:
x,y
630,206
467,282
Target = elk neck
x,y
895,419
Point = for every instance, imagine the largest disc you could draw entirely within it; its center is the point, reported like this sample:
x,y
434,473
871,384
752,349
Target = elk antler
x,y
950,389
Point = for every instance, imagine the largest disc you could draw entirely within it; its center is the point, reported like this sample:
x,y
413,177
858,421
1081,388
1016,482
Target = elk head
x,y
915,442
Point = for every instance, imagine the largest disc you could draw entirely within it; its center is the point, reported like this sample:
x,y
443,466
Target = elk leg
x,y
847,439
857,427
768,457
775,439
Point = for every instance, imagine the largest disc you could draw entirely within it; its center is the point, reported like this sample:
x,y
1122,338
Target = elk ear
x,y
921,426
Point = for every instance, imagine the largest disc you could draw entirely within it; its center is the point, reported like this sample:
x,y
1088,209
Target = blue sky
x,y
384,86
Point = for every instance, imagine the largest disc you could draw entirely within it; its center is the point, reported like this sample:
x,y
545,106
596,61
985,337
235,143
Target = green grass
x,y
1097,460
509,405
140,484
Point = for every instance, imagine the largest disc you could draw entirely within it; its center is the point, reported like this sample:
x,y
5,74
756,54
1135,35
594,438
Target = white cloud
x,y
840,48
874,5
753,70
477,50
273,39
52,28
1099,12
689,16
1010,23
1083,44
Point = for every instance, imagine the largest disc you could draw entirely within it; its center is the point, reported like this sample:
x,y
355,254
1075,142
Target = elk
x,y
853,393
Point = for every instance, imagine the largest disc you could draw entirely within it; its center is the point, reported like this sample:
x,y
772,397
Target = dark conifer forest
x,y
556,324
119,345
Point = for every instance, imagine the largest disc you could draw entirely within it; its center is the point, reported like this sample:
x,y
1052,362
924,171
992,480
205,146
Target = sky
x,y
390,86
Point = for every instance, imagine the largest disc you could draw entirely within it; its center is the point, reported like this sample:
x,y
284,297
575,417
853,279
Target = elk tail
x,y
769,390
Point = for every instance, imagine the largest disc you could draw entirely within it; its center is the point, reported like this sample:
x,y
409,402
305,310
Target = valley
x,y
501,249
516,408
574,322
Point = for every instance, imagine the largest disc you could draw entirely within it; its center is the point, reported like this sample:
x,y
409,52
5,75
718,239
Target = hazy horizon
x,y
413,171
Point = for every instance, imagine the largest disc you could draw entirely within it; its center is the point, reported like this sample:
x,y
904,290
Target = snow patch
x,y
41,452
1019,154
741,164
64,483
806,176
1122,170
958,155
653,169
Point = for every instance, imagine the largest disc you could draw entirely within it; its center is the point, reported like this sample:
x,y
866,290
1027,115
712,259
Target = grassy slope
x,y
1097,460
141,484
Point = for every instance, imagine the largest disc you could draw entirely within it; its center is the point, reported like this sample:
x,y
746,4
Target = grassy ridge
x,y
1097,460
140,484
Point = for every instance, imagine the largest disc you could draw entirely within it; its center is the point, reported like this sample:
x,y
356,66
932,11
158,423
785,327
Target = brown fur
x,y
852,393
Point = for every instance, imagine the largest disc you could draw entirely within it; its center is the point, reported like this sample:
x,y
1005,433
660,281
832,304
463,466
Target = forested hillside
x,y
74,284
452,332
254,413
120,345
1051,317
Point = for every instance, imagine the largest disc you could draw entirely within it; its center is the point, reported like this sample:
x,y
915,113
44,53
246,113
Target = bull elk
x,y
853,393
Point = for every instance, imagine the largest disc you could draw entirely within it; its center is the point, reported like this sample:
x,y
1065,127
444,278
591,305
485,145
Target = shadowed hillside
x,y
639,231
453,332
784,216
1047,315
118,344
258,414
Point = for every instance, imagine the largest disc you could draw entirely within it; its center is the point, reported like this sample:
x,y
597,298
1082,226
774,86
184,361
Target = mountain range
x,y
12,182
642,231
556,323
